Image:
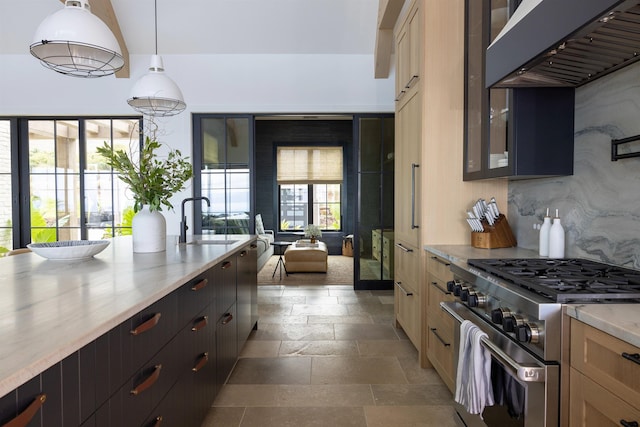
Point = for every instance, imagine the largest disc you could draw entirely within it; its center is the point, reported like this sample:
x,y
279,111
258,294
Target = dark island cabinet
x,y
162,367
247,293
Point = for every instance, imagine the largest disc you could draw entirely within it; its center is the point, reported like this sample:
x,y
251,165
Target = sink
x,y
213,242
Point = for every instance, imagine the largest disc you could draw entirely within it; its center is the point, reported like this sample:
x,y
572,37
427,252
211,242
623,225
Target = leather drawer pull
x,y
628,423
444,343
243,253
201,284
202,360
201,323
145,326
228,317
226,264
253,246
27,415
635,357
148,382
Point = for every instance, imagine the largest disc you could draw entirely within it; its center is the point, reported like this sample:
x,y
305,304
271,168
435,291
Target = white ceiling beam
x,y
103,9
388,12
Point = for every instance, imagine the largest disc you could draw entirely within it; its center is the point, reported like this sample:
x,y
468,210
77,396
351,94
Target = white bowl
x,y
69,249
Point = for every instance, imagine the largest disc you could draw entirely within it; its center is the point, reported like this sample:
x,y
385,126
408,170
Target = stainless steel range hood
x,y
564,43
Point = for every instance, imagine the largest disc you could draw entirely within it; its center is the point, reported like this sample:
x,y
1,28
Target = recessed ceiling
x,y
217,26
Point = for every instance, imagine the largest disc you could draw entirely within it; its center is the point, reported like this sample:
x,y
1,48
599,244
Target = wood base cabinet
x,y
604,379
163,366
440,326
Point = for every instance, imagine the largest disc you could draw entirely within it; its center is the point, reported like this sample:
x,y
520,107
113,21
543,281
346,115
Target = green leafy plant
x,y
152,180
312,231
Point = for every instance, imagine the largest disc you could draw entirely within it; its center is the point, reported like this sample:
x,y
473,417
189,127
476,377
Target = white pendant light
x,y
75,42
155,94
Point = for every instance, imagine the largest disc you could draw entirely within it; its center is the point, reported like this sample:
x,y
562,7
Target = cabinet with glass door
x,y
520,132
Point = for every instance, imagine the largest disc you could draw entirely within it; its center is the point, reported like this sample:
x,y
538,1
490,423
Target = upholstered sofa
x,y
265,238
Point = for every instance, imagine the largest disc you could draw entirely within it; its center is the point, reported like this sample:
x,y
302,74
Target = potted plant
x,y
152,180
312,232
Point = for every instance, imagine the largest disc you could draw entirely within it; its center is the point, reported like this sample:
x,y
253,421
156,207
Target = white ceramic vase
x,y
149,231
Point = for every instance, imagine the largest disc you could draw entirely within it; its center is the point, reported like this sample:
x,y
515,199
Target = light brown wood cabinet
x,y
440,326
407,190
430,196
604,380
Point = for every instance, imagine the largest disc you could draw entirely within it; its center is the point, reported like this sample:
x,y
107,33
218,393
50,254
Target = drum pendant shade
x,y
75,42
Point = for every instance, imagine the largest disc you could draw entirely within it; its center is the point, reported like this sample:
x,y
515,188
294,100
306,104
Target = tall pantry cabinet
x,y
407,192
431,197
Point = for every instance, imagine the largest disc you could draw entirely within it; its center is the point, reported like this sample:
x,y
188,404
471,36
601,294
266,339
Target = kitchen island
x,y
51,311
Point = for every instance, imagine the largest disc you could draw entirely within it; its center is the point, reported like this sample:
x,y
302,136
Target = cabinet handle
x,y
413,195
404,248
226,264
148,382
243,253
400,95
413,78
228,317
435,258
444,291
253,246
201,284
635,357
628,423
158,421
202,360
446,344
201,323
408,294
145,326
25,417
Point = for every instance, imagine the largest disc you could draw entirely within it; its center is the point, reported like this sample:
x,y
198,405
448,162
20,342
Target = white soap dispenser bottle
x,y
556,238
543,246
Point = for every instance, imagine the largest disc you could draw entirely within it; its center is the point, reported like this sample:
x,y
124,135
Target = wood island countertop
x,y
50,309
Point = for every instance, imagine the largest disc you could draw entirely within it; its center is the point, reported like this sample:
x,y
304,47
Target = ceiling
x,y
217,26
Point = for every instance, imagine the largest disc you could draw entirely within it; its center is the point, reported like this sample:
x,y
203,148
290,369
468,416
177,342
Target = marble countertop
x,y
620,320
49,309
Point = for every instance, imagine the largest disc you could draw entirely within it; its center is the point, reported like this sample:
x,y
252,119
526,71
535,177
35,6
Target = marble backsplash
x,y
600,204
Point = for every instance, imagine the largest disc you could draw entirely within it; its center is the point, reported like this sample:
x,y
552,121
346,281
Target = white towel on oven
x,y
473,379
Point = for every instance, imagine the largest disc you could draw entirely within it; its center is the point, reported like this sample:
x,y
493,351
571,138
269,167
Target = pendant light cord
x,y
155,9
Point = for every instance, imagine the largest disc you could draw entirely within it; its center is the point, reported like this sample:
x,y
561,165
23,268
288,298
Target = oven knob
x,y
450,285
497,314
457,288
464,293
509,323
529,332
476,299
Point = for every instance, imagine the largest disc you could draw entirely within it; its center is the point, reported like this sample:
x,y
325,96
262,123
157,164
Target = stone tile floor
x,y
329,356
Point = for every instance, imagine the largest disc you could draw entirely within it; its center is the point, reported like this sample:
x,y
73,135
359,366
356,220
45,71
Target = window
x,y
310,187
71,193
6,190
222,151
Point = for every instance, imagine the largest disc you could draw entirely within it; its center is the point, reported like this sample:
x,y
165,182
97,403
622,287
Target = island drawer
x,y
195,295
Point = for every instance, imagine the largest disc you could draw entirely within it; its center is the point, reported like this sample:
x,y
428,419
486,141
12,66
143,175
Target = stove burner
x,y
567,280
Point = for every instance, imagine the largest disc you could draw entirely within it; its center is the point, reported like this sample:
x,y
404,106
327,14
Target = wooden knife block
x,y
498,235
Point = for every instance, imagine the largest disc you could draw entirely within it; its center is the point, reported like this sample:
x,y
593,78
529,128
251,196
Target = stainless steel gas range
x,y
518,304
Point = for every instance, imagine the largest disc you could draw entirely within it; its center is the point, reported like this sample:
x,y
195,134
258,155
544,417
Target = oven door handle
x,y
527,373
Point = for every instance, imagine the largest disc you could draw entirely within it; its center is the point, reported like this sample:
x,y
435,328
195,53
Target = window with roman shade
x,y
309,182
309,165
